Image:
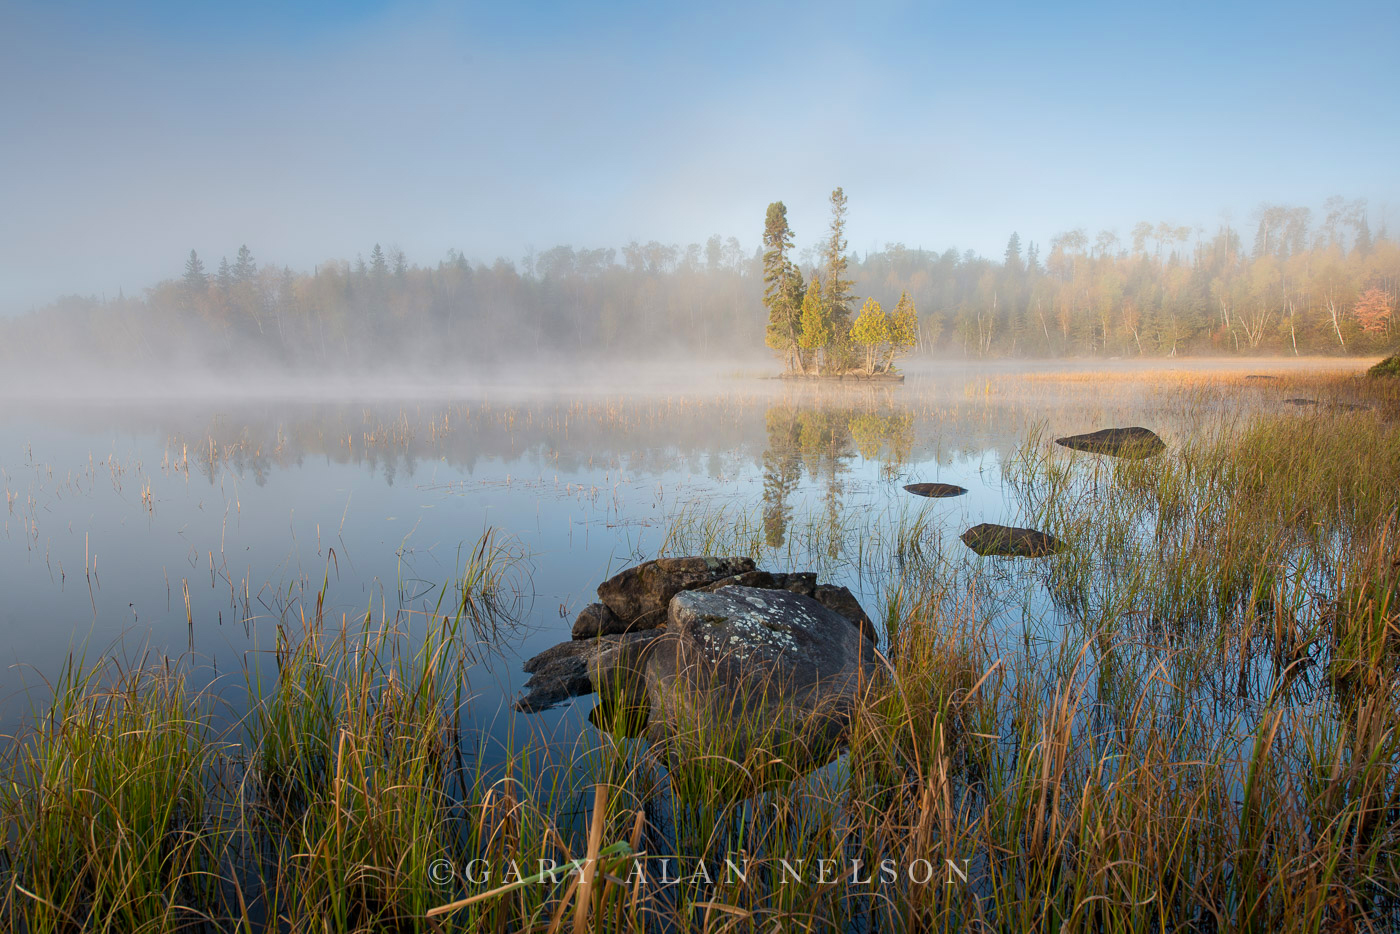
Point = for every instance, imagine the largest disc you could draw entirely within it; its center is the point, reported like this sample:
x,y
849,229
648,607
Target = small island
x,y
809,321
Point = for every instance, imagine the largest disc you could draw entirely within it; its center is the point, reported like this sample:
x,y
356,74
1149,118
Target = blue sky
x,y
130,136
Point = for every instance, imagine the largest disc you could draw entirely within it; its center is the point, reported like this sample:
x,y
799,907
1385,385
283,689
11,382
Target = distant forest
x,y
1292,284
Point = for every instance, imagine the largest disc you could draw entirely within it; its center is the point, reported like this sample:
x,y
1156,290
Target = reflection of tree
x,y
820,443
782,469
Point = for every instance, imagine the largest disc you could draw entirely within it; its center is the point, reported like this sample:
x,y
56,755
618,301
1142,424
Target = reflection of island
x,y
820,442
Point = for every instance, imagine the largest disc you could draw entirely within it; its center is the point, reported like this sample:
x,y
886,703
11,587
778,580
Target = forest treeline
x,y
1294,283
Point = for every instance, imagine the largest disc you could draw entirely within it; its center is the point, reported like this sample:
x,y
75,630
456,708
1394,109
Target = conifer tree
x,y
816,328
838,298
903,328
779,296
196,282
244,268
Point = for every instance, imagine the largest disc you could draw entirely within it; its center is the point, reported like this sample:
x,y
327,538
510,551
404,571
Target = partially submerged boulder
x,y
638,596
738,659
1008,542
743,666
1135,443
935,490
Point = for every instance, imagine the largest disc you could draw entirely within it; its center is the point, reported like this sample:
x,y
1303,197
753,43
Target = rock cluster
x,y
716,647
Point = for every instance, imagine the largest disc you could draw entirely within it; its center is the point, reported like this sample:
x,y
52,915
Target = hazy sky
x,y
130,136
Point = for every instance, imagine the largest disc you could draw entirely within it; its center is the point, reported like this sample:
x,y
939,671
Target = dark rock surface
x,y
842,601
597,620
741,666
936,490
567,670
1300,401
1006,541
802,582
1135,443
556,674
638,596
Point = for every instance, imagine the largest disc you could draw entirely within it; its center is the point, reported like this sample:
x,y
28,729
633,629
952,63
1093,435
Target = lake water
x,y
193,529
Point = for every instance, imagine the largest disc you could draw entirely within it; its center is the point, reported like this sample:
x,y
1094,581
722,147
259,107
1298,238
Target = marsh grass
x,y
1188,720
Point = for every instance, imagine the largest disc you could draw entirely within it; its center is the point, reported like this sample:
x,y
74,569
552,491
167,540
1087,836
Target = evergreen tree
x,y
903,328
779,296
816,327
1013,253
378,266
244,269
224,277
838,298
196,282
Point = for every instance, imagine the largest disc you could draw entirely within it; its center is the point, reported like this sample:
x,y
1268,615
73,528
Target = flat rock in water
x,y
1007,542
639,595
936,490
1135,443
741,668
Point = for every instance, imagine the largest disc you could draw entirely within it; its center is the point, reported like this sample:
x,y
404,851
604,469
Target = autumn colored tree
x,y
903,328
1372,310
871,331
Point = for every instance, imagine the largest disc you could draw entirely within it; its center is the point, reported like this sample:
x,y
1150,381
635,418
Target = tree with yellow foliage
x,y
816,330
903,328
871,331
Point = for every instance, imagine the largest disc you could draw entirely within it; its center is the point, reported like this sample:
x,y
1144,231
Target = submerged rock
x,y
936,490
638,596
1135,443
1008,542
742,667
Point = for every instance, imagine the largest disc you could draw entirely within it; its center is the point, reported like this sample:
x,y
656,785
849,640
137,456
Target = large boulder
x,y
638,596
741,670
1134,443
1008,542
